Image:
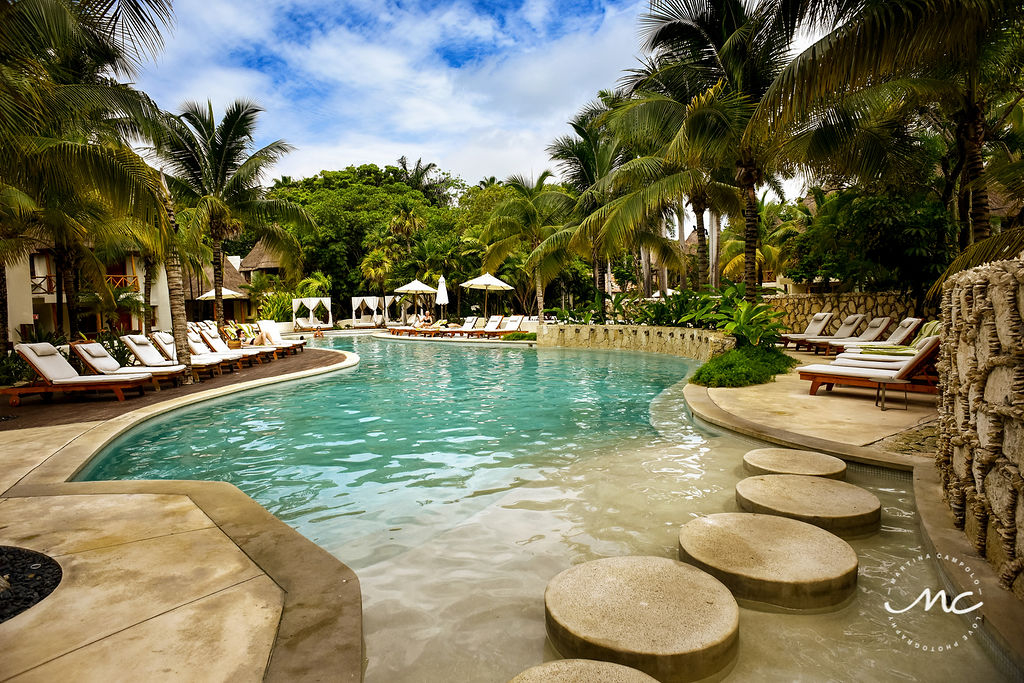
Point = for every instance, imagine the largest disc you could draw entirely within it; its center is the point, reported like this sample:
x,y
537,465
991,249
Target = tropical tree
x,y
428,179
216,178
533,213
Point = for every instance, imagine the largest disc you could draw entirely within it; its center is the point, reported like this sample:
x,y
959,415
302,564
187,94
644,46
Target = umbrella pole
x,y
485,304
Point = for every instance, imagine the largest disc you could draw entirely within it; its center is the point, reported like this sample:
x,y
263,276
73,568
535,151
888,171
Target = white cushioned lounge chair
x,y
875,329
467,325
846,329
273,335
817,325
217,343
511,324
56,374
198,347
900,335
97,360
919,371
205,363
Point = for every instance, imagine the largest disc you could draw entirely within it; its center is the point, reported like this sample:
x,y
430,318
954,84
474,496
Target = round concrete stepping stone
x,y
668,619
792,461
835,506
771,559
582,671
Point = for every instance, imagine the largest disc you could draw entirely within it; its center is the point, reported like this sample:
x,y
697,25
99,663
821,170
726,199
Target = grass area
x,y
743,366
520,336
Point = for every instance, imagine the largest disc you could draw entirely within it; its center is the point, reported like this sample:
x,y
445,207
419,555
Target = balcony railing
x,y
44,284
124,281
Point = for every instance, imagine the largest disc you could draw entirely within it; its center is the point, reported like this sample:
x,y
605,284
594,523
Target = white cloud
x,y
350,94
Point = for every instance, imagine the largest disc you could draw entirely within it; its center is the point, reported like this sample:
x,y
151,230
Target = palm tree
x,y
217,177
533,214
425,178
489,181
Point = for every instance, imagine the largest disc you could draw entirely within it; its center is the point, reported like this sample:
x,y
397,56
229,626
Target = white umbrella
x,y
415,288
442,294
225,294
488,283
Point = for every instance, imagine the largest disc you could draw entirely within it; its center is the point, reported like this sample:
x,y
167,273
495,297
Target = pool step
x,y
844,509
663,617
772,559
582,671
792,461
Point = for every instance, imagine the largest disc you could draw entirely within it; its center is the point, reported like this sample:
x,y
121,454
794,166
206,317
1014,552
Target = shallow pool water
x,y
457,481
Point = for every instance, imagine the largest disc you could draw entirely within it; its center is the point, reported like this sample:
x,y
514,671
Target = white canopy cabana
x,y
312,303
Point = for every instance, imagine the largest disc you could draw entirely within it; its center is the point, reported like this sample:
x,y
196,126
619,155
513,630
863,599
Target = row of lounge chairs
x,y
156,355
865,362
496,326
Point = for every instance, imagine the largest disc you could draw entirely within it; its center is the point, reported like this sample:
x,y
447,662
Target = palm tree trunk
x,y
71,287
5,338
540,297
703,276
974,170
176,293
147,296
750,235
58,267
218,281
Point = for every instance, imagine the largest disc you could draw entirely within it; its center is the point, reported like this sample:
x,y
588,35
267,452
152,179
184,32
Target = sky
x,y
478,87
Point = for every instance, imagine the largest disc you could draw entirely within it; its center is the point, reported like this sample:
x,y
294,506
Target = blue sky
x,y
478,87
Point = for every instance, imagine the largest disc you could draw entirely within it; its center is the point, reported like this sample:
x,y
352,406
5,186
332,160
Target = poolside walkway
x,y
166,580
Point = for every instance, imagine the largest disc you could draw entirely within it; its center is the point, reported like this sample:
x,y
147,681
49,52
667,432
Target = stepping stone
x,y
791,461
843,509
771,559
582,671
668,619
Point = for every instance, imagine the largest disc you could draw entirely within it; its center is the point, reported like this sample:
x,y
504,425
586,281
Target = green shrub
x,y
743,366
14,369
520,336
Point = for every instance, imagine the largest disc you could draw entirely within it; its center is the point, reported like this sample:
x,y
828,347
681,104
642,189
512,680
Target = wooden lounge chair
x,y
919,372
929,329
272,335
98,361
57,375
206,363
511,325
846,329
903,332
467,326
817,325
493,325
233,358
150,356
217,343
875,329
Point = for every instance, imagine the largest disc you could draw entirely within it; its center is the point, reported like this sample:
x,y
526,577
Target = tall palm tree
x,y
426,179
217,177
534,213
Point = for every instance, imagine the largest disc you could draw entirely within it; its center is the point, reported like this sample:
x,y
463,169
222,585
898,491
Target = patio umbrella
x,y
488,283
225,294
442,294
415,288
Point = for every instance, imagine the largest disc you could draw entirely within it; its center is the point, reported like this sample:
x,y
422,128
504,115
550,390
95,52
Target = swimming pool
x,y
457,481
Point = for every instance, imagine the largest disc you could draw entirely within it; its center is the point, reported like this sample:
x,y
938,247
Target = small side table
x,y
880,390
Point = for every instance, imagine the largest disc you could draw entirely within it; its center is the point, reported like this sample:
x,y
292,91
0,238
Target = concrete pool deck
x,y
198,581
179,580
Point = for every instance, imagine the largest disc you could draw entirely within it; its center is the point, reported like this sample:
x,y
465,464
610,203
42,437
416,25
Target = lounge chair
x,y
510,325
272,335
846,329
817,325
217,343
198,347
875,329
201,363
929,329
150,356
919,372
98,361
56,374
493,325
899,336
467,326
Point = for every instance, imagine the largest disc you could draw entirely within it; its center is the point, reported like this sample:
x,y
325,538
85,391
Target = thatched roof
x,y
260,259
194,288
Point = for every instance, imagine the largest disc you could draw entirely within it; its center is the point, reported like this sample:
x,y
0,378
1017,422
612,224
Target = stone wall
x,y
797,309
981,412
676,341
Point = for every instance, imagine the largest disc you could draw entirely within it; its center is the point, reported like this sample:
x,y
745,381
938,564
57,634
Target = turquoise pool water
x,y
418,437
457,481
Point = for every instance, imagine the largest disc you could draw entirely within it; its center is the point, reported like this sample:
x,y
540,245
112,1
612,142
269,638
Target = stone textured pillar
x,y
981,412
